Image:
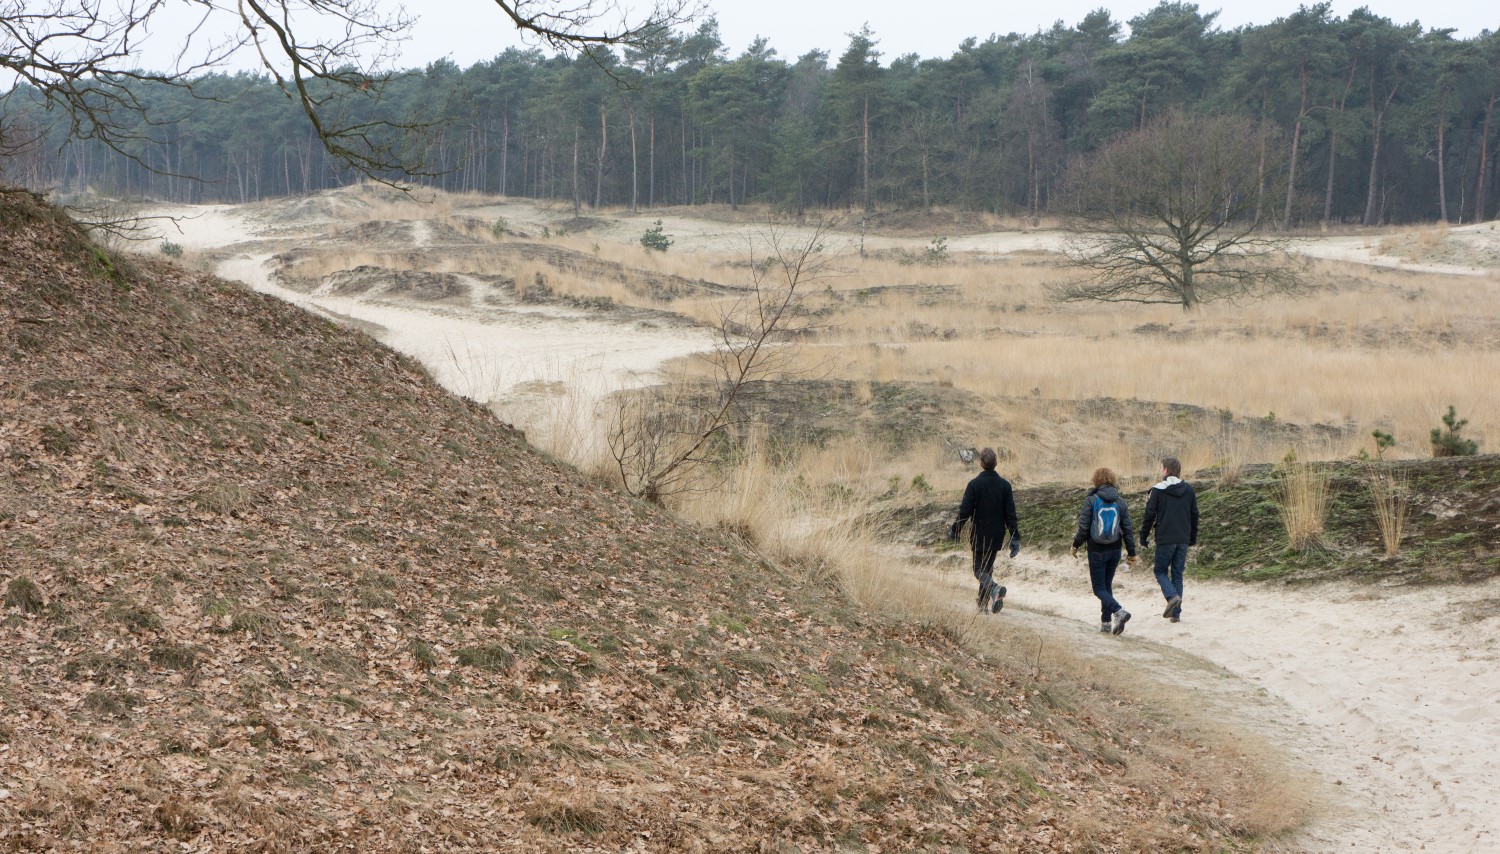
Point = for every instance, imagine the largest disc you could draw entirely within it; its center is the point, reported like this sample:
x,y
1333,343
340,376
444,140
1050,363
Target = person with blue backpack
x,y
1104,523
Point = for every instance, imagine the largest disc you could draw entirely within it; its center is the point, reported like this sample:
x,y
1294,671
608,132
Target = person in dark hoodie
x,y
989,502
1171,511
1104,523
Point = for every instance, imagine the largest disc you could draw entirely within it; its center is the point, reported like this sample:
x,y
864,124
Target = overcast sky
x,y
929,29
470,31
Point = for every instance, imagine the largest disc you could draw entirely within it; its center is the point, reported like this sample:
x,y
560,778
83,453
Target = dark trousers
x,y
985,550
1102,566
1171,559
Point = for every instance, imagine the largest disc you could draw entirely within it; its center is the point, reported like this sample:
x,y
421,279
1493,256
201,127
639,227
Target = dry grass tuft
x,y
1392,496
178,818
573,812
223,498
1302,501
25,595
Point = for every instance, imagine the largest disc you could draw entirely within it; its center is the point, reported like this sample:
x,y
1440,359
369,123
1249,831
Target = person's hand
x,y
1073,552
953,532
1015,547
1145,542
1129,562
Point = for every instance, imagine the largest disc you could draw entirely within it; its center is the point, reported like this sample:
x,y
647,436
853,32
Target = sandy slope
x,y
1391,696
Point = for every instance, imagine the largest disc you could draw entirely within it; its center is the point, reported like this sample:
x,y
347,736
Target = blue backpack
x,y
1106,526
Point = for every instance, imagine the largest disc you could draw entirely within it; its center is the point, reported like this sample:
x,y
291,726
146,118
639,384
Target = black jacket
x,y
1109,495
1172,511
989,502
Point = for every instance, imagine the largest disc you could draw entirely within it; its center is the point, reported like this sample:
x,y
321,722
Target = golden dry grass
x,y
1391,493
1302,502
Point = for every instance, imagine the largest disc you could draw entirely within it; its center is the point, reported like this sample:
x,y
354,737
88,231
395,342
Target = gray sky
x,y
929,29
470,31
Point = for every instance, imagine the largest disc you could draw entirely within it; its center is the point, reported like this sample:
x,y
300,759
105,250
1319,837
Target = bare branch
x,y
660,438
78,57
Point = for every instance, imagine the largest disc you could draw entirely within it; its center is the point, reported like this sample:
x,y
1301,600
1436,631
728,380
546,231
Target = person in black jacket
x,y
1172,511
1104,523
989,502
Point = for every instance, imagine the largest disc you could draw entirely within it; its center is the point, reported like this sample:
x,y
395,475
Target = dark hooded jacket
x,y
1171,511
1109,495
989,502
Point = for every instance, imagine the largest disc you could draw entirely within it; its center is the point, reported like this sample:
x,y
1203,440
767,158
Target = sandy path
x,y
1391,695
543,368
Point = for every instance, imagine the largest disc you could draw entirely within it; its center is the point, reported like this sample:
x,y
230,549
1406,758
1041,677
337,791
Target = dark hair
x,y
988,459
1172,465
1105,477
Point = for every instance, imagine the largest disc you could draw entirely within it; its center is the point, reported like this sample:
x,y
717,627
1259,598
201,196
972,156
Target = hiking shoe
x,y
1173,605
1106,626
1122,617
999,601
1176,618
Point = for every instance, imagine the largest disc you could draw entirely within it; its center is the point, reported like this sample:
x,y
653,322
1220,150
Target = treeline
x,y
1379,121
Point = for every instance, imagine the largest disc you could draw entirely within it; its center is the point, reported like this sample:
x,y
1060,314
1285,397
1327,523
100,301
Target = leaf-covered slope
x,y
267,587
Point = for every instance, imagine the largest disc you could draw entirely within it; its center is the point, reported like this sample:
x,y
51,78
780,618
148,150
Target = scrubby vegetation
x,y
270,588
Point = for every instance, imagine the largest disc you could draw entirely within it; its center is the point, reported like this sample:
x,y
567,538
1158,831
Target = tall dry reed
x,y
1391,493
1302,500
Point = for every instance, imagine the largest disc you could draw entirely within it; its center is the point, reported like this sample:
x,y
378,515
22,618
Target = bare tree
x,y
661,438
79,56
1167,215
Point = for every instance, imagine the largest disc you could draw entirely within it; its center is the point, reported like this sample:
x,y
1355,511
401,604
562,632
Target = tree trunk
x,y
733,202
505,153
926,194
599,169
1291,176
635,172
865,155
577,199
1484,156
1260,171
1441,149
1333,143
651,167
1189,290
1370,217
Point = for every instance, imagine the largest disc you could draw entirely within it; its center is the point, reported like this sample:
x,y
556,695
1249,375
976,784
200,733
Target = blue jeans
x,y
1170,560
1102,566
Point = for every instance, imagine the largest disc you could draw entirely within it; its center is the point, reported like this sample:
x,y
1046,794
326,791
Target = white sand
x,y
1392,696
544,368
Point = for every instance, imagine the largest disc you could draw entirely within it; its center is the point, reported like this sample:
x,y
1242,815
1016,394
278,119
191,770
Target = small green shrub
x,y
655,239
1383,442
936,253
1447,442
499,228
170,249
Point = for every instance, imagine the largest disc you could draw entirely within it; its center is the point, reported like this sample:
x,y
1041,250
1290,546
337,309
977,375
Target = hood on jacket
x,y
1173,486
1107,493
